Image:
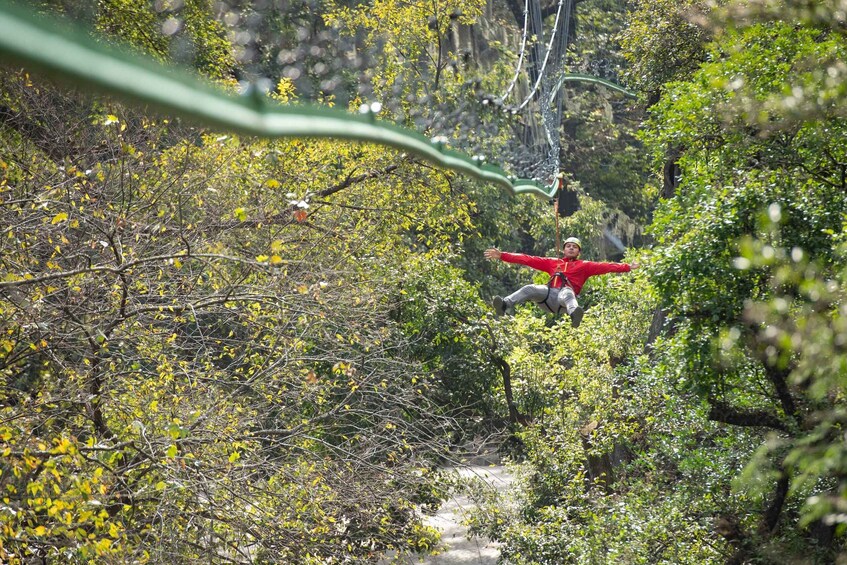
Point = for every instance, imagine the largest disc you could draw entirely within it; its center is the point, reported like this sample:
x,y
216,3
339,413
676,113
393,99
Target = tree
x,y
197,348
663,44
733,170
745,372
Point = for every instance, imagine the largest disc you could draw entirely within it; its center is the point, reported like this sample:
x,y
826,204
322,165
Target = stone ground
x,y
458,549
448,519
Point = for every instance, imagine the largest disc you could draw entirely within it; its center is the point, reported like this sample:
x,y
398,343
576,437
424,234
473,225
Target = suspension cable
x,y
551,120
523,50
556,214
546,58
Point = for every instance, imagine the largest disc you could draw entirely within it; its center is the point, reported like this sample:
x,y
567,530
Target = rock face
x,y
472,44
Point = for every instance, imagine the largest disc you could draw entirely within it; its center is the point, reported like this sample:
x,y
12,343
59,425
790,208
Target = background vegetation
x,y
223,349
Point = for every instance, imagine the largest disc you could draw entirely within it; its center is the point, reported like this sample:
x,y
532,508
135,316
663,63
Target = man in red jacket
x,y
567,275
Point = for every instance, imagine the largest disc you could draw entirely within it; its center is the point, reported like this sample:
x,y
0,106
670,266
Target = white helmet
x,y
575,241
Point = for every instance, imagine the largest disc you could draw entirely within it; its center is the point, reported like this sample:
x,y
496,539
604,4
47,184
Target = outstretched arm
x,y
545,264
593,268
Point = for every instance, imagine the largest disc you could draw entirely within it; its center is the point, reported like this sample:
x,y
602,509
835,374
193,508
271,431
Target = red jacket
x,y
576,270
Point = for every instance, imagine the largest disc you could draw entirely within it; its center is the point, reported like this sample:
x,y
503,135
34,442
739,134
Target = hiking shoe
x,y
499,306
576,316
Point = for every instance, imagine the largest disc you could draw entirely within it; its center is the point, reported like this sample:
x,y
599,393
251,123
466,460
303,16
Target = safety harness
x,y
565,283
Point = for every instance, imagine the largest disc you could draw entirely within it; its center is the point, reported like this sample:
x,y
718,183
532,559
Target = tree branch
x,y
125,267
774,509
779,379
722,412
350,180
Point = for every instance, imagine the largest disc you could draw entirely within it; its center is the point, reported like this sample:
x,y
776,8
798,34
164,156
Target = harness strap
x,y
565,282
560,275
546,302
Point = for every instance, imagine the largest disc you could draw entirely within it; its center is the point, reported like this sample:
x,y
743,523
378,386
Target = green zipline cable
x,y
68,53
576,77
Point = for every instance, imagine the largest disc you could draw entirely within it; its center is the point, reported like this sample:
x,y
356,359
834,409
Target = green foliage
x,y
761,194
817,87
662,44
136,23
800,326
453,335
731,174
600,148
186,32
197,343
604,476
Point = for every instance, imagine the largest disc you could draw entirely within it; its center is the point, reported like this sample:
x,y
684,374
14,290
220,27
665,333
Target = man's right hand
x,y
492,253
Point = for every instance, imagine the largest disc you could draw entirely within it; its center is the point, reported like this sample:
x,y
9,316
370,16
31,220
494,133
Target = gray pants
x,y
548,299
